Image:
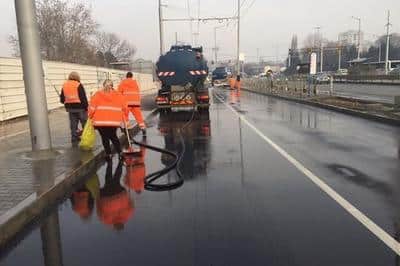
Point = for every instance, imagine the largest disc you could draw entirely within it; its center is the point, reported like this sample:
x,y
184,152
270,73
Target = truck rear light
x,y
203,97
161,100
205,130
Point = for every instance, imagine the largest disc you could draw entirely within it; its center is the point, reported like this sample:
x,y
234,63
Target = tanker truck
x,y
182,72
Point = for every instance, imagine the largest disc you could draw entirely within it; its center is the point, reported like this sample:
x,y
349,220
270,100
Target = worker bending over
x,y
130,89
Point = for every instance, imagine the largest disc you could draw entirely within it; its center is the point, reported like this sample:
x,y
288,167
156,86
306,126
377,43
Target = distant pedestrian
x,y
238,83
73,96
129,87
108,110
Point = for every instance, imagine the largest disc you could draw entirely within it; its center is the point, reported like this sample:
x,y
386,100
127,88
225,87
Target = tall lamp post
x,y
359,37
28,34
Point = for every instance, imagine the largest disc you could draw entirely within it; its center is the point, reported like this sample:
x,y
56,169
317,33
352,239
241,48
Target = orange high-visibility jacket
x,y
136,171
130,89
70,89
115,209
232,82
81,203
135,175
108,109
238,85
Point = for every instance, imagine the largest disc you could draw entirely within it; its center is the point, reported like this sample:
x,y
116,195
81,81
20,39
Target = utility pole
x,y
359,37
160,21
380,52
215,45
28,33
238,39
322,58
290,58
339,57
196,42
387,43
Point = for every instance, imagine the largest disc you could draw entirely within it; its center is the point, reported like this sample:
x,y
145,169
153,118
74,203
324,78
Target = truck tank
x,y
182,72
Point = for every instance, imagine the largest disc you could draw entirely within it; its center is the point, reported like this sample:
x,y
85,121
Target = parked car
x,y
395,72
342,72
220,75
323,78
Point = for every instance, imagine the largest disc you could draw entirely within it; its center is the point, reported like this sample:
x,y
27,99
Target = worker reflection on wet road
x,y
234,96
136,170
196,139
114,204
82,200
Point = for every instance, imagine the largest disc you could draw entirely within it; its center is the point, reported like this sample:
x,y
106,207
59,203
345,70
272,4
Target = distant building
x,y
143,66
351,38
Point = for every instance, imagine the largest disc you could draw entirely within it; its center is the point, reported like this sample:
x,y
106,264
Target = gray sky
x,y
267,25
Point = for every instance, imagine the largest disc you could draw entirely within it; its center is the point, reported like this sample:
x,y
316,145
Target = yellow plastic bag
x,y
88,138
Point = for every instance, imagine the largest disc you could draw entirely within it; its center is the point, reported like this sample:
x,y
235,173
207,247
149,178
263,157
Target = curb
x,y
14,221
343,110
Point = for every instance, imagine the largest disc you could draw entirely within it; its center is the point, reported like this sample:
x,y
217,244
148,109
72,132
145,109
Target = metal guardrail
x,y
373,79
296,86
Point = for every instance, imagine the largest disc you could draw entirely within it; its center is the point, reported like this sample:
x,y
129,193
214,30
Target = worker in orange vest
x,y
238,82
73,96
108,110
82,199
129,87
136,171
114,205
232,83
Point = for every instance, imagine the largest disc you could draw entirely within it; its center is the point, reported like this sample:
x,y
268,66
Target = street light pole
x,y
387,43
359,37
215,45
238,39
28,33
160,21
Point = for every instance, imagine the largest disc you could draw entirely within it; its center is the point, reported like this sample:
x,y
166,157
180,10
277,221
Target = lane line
x,y
14,134
357,214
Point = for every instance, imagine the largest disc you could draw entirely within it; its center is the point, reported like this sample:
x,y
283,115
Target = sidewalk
x,y
24,181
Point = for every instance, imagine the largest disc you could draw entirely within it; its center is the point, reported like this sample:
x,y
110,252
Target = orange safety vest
x,y
108,109
130,89
135,175
71,94
116,209
81,203
232,82
238,84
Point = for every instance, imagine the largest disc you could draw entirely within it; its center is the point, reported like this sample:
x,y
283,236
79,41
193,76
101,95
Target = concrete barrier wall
x,y
12,90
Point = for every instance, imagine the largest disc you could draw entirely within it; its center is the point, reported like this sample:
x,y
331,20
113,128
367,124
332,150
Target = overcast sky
x,y
267,25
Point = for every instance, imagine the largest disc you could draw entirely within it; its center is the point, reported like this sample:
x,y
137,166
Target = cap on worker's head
x,y
129,75
74,76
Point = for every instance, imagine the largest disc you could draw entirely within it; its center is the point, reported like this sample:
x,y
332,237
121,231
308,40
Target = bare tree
x,y
66,30
112,48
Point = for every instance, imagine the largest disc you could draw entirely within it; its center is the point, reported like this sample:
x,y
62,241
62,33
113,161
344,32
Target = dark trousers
x,y
76,116
109,134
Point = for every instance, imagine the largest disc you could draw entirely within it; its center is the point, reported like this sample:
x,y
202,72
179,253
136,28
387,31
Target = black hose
x,y
151,178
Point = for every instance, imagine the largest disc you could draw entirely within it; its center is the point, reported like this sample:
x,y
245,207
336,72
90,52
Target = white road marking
x,y
357,214
13,135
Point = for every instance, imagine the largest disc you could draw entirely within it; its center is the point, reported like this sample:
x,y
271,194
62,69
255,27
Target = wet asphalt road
x,y
242,203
